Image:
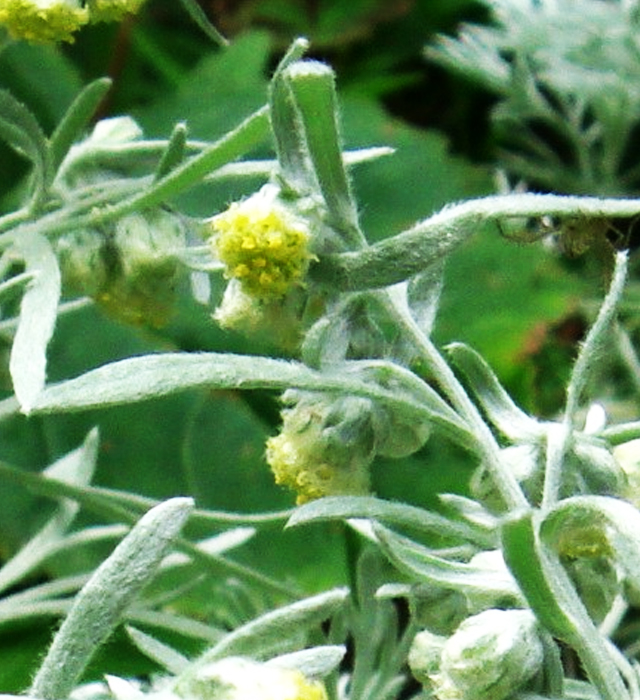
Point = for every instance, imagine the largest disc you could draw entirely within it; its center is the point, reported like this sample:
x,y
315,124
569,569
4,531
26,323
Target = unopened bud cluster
x,y
490,656
131,269
327,444
130,266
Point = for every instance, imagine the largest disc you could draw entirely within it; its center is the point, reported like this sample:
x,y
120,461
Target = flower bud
x,y
397,436
43,21
236,678
424,656
491,656
143,287
131,270
325,446
596,470
263,243
627,456
279,321
83,262
438,609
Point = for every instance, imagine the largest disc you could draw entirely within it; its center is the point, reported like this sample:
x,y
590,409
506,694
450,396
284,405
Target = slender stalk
x,y
558,440
486,444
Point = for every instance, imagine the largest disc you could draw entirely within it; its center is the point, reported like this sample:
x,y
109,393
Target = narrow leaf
x,y
101,603
198,15
139,378
37,319
173,153
510,420
403,515
290,145
150,376
313,90
77,118
420,563
20,129
314,663
76,467
596,339
165,656
273,629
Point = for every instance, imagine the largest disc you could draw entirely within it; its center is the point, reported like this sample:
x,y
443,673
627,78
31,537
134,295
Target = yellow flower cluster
x,y
48,21
263,245
296,460
42,22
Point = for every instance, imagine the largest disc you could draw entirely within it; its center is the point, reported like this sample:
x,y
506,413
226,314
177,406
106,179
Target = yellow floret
x,y
262,245
42,21
292,461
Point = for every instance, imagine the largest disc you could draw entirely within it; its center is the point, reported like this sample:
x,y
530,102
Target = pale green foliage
x,y
546,549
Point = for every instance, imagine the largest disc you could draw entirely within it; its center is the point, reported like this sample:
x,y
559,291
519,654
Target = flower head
x,y
42,21
236,678
262,244
325,448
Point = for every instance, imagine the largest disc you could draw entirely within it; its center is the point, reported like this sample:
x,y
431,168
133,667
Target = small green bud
x,y
130,270
438,609
397,437
491,656
236,678
278,320
143,288
596,469
84,265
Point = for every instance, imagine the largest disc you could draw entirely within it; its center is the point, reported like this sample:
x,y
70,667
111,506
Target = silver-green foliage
x,y
548,537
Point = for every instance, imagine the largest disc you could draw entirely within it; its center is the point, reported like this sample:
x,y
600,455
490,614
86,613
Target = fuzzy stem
x,y
558,442
400,257
485,443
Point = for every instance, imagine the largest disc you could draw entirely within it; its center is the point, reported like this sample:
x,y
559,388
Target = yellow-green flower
x,y
294,467
236,678
300,459
262,244
42,21
112,10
